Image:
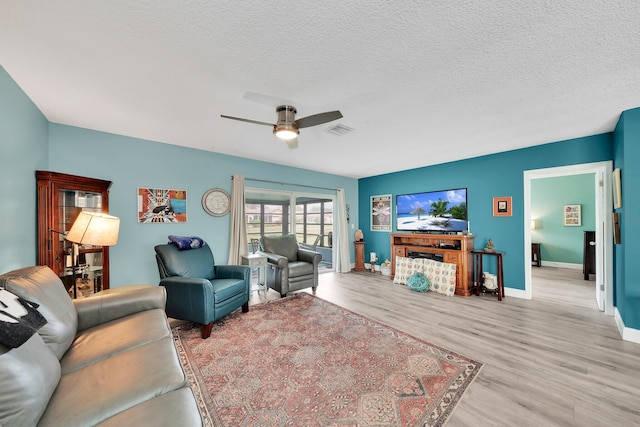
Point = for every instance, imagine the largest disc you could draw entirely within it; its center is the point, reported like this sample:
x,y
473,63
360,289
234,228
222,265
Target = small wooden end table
x,y
478,280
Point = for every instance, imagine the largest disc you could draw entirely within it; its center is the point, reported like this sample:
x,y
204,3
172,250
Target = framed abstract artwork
x,y
160,205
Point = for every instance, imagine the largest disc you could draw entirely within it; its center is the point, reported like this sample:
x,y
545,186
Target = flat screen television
x,y
432,211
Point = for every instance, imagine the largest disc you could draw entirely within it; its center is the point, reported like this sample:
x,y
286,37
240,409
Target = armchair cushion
x,y
193,263
286,246
300,268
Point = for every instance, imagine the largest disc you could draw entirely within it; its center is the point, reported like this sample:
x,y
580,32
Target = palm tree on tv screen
x,y
439,208
459,212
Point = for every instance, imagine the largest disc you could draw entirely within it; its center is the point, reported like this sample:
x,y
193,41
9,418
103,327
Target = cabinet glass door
x,y
88,274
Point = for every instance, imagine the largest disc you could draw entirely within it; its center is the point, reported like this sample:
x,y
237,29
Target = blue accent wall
x,y
23,150
485,177
131,163
627,254
560,243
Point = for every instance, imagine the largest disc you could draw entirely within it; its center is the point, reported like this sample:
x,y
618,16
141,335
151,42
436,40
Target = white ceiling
x,y
420,82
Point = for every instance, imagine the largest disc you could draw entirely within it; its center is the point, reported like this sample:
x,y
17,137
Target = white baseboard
x,y
515,293
627,334
562,265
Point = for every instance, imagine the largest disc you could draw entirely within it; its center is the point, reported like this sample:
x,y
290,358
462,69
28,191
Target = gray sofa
x,y
107,360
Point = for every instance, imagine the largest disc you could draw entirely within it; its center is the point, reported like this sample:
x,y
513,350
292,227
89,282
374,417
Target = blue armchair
x,y
198,290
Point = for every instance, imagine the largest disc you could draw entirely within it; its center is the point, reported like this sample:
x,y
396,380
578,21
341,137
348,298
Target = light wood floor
x,y
551,361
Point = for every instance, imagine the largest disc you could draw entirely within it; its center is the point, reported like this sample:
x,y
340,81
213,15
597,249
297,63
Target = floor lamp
x,y
91,228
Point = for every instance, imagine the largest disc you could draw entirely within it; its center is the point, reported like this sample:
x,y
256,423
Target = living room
x,y
30,141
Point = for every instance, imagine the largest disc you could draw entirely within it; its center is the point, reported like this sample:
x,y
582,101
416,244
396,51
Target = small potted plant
x,y
385,268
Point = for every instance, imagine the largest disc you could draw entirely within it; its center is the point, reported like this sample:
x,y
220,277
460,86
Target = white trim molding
x,y
515,293
627,334
557,264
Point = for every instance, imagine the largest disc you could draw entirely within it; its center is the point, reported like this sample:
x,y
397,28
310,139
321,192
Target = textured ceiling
x,y
420,82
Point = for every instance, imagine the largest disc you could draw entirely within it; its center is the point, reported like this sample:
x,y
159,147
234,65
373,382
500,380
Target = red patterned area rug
x,y
303,361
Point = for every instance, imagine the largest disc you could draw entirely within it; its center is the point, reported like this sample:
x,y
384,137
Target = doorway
x,y
309,216
603,226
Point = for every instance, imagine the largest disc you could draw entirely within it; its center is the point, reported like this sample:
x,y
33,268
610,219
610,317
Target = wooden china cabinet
x,y
61,197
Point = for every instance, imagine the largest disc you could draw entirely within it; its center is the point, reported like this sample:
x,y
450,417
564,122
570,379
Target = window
x,y
314,222
266,218
269,214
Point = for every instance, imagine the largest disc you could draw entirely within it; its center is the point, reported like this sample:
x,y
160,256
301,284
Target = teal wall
x,y
23,149
28,142
131,163
627,274
548,197
484,177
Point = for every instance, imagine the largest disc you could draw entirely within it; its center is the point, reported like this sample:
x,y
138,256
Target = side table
x,y
535,254
478,281
359,256
260,262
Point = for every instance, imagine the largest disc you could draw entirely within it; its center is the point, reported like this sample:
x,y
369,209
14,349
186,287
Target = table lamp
x,y
91,228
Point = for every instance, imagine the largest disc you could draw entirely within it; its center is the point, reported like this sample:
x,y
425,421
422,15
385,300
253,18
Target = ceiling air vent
x,y
339,130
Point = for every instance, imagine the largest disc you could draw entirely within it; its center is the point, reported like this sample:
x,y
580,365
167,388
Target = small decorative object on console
x,y
358,235
490,247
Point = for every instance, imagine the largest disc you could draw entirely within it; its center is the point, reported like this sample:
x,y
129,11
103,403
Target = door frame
x,y
292,197
603,228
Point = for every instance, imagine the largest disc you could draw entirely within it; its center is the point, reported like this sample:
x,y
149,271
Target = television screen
x,y
433,211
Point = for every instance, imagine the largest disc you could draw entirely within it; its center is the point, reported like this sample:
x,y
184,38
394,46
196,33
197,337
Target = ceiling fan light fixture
x,y
286,131
286,127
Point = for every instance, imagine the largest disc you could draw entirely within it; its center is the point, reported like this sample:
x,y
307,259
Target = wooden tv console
x,y
450,248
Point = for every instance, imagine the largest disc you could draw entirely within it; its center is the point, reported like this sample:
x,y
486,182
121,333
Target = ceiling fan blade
x,y
263,99
292,143
318,119
246,120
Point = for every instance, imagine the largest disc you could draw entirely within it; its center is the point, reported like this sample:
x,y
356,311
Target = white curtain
x,y
342,253
238,239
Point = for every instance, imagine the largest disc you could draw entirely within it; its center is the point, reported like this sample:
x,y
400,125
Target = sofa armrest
x,y
278,260
242,272
307,255
99,309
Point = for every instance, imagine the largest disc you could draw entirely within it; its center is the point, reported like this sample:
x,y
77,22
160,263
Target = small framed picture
x,y
572,216
502,206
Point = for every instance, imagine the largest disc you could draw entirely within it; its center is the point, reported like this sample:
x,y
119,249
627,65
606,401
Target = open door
x,y
599,243
603,228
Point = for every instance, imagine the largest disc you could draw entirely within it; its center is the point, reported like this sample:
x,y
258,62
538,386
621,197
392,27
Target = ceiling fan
x,y
287,127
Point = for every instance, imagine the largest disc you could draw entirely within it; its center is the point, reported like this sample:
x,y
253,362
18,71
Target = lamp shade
x,y
91,228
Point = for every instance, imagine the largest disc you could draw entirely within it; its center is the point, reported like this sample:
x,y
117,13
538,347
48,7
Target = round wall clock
x,y
216,202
